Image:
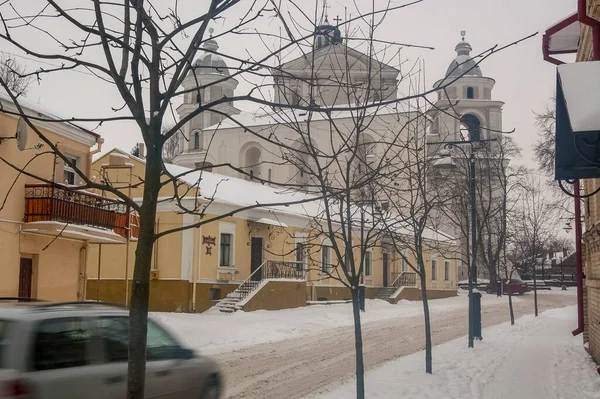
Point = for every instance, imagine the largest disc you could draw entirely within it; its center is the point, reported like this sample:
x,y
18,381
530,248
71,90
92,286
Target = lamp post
x,y
474,307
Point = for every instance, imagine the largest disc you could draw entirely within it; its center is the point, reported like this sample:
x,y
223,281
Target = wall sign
x,y
209,242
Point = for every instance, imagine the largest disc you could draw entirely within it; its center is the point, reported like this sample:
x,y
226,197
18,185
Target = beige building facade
x,y
194,269
46,223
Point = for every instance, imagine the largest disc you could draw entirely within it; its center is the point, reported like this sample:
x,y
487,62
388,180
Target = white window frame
x,y
300,238
227,228
325,245
447,267
67,168
369,257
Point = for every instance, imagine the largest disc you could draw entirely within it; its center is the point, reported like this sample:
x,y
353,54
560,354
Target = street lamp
x,y
474,306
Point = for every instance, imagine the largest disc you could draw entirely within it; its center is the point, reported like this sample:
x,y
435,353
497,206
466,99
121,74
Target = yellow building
x,y
45,229
268,257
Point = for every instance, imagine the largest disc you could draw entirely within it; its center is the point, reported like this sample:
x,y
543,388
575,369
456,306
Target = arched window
x,y
470,92
473,126
196,140
295,96
252,162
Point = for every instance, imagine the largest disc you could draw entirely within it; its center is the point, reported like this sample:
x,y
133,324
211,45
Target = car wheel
x,y
489,291
211,389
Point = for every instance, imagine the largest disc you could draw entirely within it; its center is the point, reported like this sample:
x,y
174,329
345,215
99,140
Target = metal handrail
x,y
405,279
248,285
284,269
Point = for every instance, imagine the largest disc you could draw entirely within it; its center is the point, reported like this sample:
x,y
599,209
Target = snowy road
x,y
296,367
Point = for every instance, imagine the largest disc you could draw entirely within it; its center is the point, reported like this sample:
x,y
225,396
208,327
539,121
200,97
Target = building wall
x,y
57,264
591,237
277,295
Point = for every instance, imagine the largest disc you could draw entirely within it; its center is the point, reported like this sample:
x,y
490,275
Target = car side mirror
x,y
185,353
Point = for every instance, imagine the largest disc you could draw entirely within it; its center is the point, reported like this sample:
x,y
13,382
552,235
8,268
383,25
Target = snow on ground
x,y
535,358
214,332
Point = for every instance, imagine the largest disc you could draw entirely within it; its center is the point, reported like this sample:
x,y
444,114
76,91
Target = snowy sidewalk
x,y
536,358
214,332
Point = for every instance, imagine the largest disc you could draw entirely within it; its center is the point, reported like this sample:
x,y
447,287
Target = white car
x,y
79,350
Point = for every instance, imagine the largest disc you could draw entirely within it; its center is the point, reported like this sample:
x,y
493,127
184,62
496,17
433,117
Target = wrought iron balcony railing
x,y
45,202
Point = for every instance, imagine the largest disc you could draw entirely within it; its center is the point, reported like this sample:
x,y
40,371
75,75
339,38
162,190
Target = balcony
x,y
76,214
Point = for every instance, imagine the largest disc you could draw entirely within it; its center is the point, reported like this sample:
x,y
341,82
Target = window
x,y
325,258
403,264
300,256
214,294
470,92
295,96
61,343
434,269
348,262
196,140
114,332
368,263
446,270
473,126
70,176
225,250
269,174
4,326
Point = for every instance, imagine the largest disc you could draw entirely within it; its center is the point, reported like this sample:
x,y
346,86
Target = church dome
x,y
463,64
209,62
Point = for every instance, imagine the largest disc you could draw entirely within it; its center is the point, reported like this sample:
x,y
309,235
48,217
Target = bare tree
x,y
171,147
145,50
535,228
411,226
15,76
545,146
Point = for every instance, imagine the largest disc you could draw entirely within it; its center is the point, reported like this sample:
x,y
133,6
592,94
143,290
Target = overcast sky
x,y
523,80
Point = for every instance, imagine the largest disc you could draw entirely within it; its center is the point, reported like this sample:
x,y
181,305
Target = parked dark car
x,y
516,287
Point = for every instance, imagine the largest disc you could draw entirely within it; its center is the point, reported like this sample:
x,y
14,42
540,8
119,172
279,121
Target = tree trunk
x,y
358,345
428,358
535,299
140,292
510,307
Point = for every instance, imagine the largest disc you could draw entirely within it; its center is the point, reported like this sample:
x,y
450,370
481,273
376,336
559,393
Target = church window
x,y
470,92
473,125
196,140
295,96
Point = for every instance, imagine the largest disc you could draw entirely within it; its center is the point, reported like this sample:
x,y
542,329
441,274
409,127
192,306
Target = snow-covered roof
x,y
266,116
563,36
241,193
580,83
37,110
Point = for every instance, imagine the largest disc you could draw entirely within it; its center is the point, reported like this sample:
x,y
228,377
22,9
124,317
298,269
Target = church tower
x,y
464,108
208,80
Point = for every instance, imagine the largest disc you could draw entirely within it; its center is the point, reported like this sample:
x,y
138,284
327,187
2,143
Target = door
x,y
61,364
25,278
256,257
168,376
386,272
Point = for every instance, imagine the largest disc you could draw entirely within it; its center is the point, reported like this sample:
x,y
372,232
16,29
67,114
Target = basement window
x,y
214,294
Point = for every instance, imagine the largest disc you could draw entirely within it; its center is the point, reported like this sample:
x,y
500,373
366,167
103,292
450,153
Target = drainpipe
x,y
578,261
82,274
196,270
